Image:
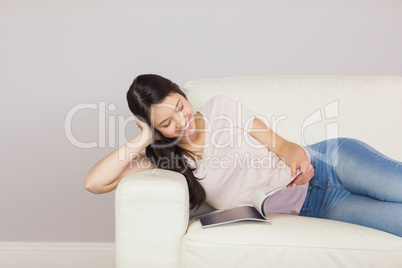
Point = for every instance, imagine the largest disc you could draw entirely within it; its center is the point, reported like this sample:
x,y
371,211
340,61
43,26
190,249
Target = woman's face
x,y
173,116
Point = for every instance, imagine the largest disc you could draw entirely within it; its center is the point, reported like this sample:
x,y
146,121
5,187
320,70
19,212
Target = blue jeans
x,y
354,183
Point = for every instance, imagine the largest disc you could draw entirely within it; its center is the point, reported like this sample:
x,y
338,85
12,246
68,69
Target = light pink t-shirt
x,y
235,164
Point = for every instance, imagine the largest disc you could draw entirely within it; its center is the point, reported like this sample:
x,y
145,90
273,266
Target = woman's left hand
x,y
307,172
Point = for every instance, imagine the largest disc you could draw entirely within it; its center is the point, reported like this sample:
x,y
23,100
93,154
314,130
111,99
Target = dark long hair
x,y
145,91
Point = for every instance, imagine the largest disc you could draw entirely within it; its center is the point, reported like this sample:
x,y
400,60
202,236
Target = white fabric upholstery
x,y
152,218
289,241
152,214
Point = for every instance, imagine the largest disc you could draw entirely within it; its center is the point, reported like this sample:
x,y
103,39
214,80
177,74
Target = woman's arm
x,y
106,174
292,154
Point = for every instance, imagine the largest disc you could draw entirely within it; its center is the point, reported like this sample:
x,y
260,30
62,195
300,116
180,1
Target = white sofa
x,y
154,227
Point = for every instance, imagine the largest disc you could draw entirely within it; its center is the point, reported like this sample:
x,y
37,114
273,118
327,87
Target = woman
x,y
341,179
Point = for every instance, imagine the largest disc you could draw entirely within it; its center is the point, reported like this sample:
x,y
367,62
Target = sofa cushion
x,y
289,241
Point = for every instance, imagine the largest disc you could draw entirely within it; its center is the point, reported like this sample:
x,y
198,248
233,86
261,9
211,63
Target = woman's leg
x,y
355,183
362,210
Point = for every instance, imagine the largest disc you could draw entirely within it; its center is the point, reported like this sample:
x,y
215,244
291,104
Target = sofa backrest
x,y
306,109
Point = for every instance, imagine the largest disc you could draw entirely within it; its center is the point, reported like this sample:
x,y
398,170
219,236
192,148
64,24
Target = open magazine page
x,y
261,196
255,212
231,215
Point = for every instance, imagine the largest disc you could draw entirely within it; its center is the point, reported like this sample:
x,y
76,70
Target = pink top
x,y
235,164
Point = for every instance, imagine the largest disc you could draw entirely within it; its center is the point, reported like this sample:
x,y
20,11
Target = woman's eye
x,y
179,110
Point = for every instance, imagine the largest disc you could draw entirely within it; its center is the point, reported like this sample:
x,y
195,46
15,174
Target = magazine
x,y
255,212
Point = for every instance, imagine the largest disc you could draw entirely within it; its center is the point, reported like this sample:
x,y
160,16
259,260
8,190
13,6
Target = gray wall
x,y
56,55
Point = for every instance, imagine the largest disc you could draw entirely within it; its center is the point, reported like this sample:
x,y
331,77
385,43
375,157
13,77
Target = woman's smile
x,y
187,127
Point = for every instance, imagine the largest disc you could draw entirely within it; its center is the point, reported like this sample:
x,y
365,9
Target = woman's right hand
x,y
146,129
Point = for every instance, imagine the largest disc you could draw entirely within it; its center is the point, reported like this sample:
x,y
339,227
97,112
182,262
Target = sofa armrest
x,y
152,215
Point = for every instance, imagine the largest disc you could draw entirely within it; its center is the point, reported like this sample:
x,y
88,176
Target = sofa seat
x,y
288,241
